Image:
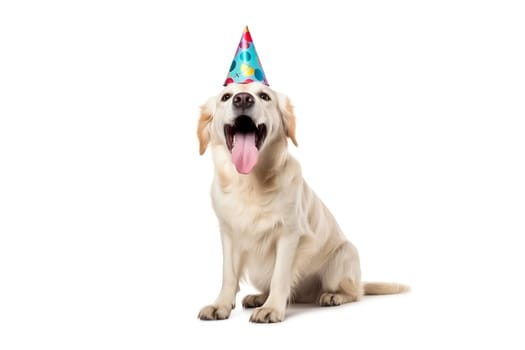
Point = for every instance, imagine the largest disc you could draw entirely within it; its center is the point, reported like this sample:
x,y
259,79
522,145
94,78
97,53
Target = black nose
x,y
243,100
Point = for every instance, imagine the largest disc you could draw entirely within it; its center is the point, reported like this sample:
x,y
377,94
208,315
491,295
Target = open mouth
x,y
244,125
244,139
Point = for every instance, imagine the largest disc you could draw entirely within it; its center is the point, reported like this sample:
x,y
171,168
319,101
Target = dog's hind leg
x,y
341,277
254,300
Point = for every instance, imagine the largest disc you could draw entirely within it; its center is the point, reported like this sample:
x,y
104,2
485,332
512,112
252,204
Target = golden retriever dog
x,y
275,231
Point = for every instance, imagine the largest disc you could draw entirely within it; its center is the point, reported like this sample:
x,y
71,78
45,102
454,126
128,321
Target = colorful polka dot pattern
x,y
246,67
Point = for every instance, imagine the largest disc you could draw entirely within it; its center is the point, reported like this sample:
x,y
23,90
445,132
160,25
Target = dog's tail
x,y
380,288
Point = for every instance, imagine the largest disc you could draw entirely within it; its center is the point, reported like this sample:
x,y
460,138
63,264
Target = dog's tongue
x,y
244,152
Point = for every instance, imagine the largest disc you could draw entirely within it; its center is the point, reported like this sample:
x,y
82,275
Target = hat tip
x,y
246,29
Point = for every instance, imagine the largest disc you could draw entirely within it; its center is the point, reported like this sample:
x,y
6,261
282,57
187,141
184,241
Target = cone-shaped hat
x,y
246,66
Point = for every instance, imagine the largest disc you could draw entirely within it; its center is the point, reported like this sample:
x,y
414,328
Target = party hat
x,y
246,67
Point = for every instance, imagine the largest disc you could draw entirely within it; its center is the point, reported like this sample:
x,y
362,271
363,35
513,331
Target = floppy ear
x,y
288,117
203,127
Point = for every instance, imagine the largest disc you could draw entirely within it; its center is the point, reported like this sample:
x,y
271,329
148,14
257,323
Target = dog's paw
x,y
267,315
215,312
332,299
254,300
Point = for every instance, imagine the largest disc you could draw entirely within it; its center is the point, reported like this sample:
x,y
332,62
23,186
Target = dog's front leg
x,y
225,302
274,308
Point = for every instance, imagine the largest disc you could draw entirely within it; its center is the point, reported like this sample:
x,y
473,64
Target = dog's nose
x,y
243,100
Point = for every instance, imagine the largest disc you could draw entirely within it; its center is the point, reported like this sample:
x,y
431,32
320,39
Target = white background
x,y
410,126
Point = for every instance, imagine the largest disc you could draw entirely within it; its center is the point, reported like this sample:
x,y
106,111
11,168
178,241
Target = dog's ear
x,y
286,108
203,127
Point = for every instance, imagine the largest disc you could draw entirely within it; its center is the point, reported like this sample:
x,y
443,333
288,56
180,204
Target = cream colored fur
x,y
275,231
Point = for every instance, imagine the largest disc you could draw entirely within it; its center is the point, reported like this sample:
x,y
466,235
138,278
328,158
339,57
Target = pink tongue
x,y
244,152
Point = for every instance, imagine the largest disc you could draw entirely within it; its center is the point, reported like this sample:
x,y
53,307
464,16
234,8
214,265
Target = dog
x,y
274,229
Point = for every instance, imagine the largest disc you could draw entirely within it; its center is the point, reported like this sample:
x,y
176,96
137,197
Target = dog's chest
x,y
248,213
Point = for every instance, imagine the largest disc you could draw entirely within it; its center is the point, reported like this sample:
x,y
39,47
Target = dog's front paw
x,y
267,315
215,312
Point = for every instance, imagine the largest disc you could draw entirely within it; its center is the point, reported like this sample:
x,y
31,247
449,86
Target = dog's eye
x,y
264,96
225,97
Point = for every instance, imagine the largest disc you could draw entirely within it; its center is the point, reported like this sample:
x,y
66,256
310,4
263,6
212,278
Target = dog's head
x,y
245,119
